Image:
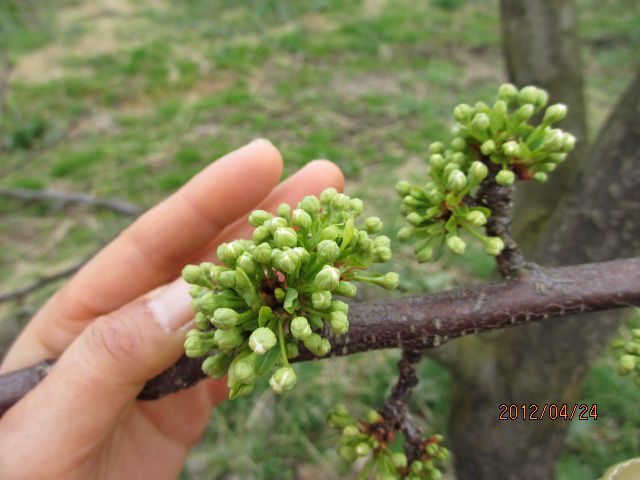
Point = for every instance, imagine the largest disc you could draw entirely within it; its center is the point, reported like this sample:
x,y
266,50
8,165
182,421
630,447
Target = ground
x,y
130,98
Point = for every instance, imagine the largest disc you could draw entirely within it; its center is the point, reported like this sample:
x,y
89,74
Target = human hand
x,y
113,326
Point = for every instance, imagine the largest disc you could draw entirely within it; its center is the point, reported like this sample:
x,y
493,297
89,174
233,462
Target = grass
x,y
131,99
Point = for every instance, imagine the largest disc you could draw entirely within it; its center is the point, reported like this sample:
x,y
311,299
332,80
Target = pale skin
x,y
116,324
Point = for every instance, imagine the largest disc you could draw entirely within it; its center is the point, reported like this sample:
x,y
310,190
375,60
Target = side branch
x,y
116,205
427,321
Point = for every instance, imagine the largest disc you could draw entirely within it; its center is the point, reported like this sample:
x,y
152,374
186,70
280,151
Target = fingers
x,y
95,380
152,250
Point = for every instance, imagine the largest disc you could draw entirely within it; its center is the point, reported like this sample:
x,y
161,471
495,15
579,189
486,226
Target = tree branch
x,y
116,205
427,321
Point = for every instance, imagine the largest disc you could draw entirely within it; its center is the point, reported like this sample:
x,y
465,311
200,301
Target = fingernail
x,y
171,306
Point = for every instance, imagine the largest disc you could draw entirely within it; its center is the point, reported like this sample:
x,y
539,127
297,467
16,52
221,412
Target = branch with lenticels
x,y
426,321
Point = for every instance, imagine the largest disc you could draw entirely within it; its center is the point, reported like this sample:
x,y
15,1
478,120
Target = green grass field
x,y
129,99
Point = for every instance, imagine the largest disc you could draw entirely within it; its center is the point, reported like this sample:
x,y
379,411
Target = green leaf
x,y
265,363
290,303
349,229
452,225
245,288
264,316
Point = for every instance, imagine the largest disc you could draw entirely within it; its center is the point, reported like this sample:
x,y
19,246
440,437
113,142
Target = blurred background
x,y
127,99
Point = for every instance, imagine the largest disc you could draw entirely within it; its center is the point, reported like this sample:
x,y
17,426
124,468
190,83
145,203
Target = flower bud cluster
x,y
279,290
368,439
494,143
629,355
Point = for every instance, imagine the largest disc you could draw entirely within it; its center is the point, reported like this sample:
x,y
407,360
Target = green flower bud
x,y
481,107
225,318
291,350
568,142
505,177
283,379
330,233
196,290
459,158
356,206
261,233
553,139
198,344
201,321
323,348
312,342
626,364
437,162
431,449
350,431
476,218
347,453
327,279
555,113
262,253
280,294
339,323
194,275
478,171
529,95
340,202
300,328
399,460
405,233
276,223
557,157
227,340
362,449
493,246
340,306
243,370
374,416
382,254
488,147
403,187
287,262
300,218
424,255
525,112
258,217
285,237
415,219
217,365
457,181
462,113
390,280
321,300
507,92
456,244
480,122
327,195
511,149
233,250
227,279
541,177
284,211
373,224
328,250
436,147
458,143
347,289
310,204
247,263
262,340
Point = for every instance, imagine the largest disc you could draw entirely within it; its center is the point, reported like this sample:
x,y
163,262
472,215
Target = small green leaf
x,y
290,303
265,315
245,288
265,363
349,228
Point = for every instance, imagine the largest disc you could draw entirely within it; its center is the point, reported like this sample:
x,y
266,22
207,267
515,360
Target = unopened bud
x,y
424,255
321,300
458,143
436,147
347,289
478,171
285,237
555,113
258,217
310,204
327,195
505,177
373,224
399,460
283,379
217,365
328,250
493,246
390,280
327,279
462,113
227,279
488,147
262,253
300,218
363,449
476,218
480,122
194,275
340,202
403,187
198,344
227,340
541,177
284,211
456,181
300,328
225,318
339,323
262,340
507,92
356,205
511,149
404,233
456,244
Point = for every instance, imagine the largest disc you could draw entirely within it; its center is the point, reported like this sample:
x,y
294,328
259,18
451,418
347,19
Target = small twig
x,y
499,199
396,407
116,205
42,281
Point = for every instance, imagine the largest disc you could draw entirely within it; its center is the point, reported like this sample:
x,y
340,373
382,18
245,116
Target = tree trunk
x,y
545,363
542,48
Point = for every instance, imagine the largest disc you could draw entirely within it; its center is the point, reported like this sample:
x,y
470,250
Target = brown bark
x,y
426,321
545,363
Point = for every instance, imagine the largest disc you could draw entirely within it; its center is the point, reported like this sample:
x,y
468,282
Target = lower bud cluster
x,y
368,439
278,291
629,357
499,136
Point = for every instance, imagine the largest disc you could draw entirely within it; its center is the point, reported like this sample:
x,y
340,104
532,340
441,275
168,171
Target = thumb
x,y
103,370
